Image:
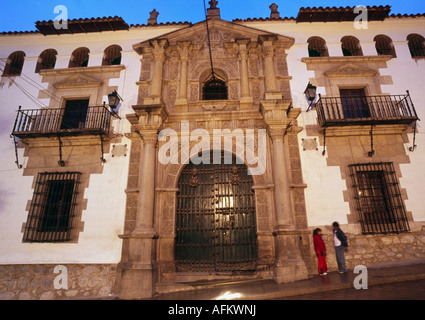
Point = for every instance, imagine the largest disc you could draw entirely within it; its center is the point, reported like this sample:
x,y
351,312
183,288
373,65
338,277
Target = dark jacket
x,y
341,237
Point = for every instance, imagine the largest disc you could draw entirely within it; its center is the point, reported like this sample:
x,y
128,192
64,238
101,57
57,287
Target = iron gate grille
x,y
52,208
216,225
378,197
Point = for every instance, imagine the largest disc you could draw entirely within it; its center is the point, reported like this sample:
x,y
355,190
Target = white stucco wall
x,y
104,216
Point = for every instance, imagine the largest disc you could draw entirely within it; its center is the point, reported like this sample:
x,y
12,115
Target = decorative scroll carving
x,y
194,182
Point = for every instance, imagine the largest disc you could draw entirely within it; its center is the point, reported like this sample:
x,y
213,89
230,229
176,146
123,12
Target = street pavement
x,y
406,290
407,279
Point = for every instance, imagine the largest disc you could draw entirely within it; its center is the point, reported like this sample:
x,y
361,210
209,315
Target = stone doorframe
x,y
165,212
149,230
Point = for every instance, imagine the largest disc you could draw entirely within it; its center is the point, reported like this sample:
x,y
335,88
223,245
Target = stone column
x,y
269,73
246,99
144,218
158,52
283,204
137,272
289,265
181,102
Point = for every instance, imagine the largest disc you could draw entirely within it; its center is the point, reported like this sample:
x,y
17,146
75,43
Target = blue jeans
x,y
340,258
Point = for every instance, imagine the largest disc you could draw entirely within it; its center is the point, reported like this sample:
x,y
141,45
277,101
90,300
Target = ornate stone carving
x,y
194,182
145,73
253,67
350,70
233,91
78,81
194,92
214,107
174,69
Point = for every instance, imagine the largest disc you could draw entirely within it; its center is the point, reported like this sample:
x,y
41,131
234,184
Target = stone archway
x,y
167,202
215,219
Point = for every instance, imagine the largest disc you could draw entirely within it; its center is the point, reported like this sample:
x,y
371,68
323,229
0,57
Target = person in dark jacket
x,y
341,243
320,248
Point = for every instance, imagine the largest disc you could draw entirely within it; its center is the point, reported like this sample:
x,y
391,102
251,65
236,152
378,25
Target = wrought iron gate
x,y
216,225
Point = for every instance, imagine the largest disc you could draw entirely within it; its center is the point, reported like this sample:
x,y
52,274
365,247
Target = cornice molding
x,y
81,70
352,59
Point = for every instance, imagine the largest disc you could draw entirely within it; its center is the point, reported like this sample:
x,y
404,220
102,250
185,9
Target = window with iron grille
x,y
351,46
214,89
112,56
379,202
14,64
317,47
384,46
79,58
52,208
416,45
46,60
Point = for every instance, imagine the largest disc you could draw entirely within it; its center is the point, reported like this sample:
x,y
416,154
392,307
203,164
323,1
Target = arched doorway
x,y
215,223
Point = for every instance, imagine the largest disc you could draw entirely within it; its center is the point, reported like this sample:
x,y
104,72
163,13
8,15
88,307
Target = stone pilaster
x,y
246,99
268,51
181,102
138,268
158,53
289,265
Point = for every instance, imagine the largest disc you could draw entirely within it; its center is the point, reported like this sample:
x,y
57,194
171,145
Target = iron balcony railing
x,y
361,110
62,121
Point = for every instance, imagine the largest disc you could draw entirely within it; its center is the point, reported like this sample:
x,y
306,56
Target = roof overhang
x,y
341,14
83,26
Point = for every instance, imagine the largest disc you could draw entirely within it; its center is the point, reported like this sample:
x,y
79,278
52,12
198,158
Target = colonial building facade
x,y
218,162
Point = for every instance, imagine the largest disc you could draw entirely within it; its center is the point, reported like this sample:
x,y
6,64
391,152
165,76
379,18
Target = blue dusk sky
x,y
20,15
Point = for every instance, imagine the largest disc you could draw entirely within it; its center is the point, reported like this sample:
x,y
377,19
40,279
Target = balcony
x,y
365,110
48,122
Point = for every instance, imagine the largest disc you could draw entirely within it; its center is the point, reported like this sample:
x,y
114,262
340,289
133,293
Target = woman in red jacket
x,y
320,248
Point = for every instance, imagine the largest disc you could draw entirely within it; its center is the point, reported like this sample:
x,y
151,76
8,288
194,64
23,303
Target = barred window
x,y
384,46
79,58
416,45
52,208
379,202
351,46
14,64
317,47
46,60
214,88
112,56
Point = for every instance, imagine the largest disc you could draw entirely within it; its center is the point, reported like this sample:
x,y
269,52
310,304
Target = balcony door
x,y
354,104
75,114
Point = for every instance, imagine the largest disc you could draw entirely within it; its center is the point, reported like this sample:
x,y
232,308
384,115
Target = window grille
x,y
379,202
47,60
351,46
416,45
317,47
14,64
112,56
214,89
384,46
52,208
79,58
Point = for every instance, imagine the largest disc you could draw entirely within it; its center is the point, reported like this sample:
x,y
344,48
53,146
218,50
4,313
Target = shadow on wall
x,y
4,195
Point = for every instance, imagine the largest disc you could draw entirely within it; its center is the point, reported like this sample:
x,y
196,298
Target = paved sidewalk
x,y
268,289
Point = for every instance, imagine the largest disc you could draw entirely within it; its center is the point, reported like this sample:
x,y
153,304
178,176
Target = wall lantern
x,y
310,94
114,99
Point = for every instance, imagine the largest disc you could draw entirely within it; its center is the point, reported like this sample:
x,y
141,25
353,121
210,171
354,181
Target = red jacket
x,y
319,245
